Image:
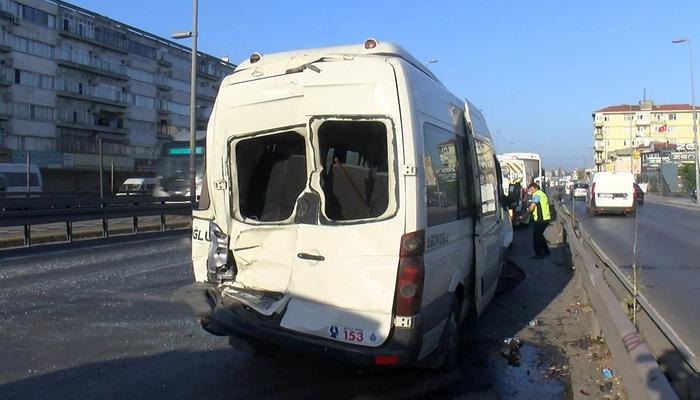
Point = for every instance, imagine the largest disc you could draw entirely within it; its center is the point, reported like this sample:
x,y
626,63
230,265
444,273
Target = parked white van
x,y
350,209
14,176
611,192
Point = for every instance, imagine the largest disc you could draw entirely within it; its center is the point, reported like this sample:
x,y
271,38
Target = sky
x,y
536,69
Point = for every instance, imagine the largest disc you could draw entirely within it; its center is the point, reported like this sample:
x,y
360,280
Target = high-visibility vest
x,y
541,207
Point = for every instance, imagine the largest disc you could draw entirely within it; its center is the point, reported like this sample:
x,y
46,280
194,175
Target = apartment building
x,y
71,79
622,133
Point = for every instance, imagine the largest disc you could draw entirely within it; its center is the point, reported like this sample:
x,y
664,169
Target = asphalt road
x,y
98,322
668,259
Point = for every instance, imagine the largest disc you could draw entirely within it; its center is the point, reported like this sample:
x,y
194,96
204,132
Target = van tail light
x,y
593,190
386,359
409,283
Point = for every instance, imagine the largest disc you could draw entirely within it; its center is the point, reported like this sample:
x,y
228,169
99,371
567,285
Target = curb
x,y
637,366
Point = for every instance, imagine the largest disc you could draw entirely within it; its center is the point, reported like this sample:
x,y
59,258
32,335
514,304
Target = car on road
x,y
360,219
137,186
638,194
611,192
579,190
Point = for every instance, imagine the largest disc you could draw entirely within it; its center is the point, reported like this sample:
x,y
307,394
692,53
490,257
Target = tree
x,y
580,175
686,173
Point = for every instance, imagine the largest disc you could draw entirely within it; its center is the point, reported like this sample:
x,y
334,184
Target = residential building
x,y
71,79
621,133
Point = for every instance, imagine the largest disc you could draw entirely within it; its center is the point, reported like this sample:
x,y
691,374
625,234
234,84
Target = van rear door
x,y
344,271
488,240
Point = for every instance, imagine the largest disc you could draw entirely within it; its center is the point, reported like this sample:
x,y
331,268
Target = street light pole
x,y
193,98
193,104
692,99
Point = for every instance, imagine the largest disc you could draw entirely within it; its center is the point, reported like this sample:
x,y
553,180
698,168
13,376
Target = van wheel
x,y
451,340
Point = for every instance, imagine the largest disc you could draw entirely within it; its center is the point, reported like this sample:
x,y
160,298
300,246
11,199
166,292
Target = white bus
x,y
533,166
15,179
350,209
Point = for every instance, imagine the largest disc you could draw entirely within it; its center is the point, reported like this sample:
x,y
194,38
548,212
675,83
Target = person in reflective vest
x,y
539,209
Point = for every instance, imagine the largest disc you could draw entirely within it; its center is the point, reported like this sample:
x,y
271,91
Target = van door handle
x,y
314,257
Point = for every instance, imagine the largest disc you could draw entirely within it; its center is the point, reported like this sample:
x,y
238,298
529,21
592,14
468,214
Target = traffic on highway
x,y
366,202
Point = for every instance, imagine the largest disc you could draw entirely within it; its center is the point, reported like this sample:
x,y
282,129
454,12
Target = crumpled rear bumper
x,y
253,328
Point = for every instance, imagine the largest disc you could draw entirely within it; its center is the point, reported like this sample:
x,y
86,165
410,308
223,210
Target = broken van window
x,y
271,172
355,177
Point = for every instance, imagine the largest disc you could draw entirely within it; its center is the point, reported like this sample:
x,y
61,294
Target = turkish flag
x,y
662,128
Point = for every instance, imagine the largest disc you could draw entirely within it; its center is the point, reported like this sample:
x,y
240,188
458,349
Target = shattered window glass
x,y
271,172
355,176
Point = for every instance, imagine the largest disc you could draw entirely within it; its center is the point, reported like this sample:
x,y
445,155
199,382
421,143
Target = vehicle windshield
x,y
532,168
129,187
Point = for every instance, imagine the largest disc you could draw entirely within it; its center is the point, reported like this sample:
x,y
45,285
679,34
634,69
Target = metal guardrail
x,y
44,208
652,360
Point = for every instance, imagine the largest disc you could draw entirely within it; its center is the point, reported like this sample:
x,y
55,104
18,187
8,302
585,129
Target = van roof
x,y
298,58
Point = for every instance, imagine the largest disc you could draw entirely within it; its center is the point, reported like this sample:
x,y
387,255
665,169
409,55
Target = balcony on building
x,y
599,146
5,75
89,62
166,130
207,70
98,36
162,106
103,121
5,42
163,58
95,93
3,111
8,9
162,82
643,121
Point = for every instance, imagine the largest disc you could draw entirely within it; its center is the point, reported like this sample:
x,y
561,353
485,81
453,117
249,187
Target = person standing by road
x,y
539,208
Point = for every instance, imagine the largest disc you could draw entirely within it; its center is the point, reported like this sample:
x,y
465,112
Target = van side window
x,y
465,179
441,164
487,177
354,178
271,173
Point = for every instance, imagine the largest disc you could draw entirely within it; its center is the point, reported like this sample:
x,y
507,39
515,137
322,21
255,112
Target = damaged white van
x,y
350,209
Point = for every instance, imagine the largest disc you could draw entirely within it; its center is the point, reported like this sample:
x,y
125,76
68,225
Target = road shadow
x,y
486,369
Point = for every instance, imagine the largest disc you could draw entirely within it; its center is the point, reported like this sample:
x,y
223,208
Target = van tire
x,y
451,340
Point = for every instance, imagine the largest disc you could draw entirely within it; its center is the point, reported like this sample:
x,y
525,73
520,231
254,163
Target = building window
x,y
36,16
629,117
672,117
671,129
605,118
659,117
24,45
111,38
34,79
140,75
640,129
142,49
640,116
32,111
143,101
